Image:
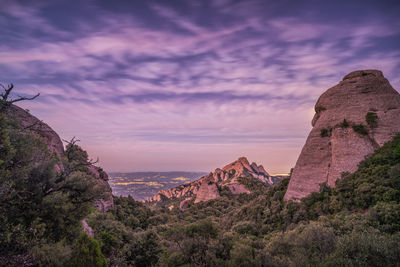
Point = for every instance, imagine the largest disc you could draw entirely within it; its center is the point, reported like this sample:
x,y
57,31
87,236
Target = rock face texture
x,y
208,190
208,186
351,120
185,204
44,131
87,229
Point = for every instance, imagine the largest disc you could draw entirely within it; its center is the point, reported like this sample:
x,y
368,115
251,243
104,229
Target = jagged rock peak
x,y
351,120
243,160
259,169
207,187
240,163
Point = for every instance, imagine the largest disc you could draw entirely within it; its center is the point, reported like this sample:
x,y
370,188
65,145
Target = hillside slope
x,y
354,224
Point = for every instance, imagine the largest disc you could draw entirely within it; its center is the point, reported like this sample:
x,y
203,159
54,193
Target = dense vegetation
x,y
357,223
42,198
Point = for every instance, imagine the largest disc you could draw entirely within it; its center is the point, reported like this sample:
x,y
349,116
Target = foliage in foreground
x,y
41,208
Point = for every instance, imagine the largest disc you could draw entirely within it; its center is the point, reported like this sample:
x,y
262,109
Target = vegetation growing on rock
x,y
360,128
372,119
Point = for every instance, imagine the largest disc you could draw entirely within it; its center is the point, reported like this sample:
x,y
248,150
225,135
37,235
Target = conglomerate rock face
x,y
351,120
207,187
208,190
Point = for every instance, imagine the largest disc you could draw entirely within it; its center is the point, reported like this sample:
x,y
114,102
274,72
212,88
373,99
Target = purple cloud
x,y
189,85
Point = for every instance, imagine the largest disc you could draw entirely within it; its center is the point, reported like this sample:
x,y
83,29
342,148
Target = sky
x,y
190,85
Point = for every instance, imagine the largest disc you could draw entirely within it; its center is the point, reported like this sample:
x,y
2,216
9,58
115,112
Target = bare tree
x,y
6,101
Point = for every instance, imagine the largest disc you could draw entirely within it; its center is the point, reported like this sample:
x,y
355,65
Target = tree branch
x,y
6,102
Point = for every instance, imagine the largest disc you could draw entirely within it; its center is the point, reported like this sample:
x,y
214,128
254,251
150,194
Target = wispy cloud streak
x,y
234,78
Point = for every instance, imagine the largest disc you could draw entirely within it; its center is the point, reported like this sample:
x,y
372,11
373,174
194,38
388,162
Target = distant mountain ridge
x,y
141,185
207,187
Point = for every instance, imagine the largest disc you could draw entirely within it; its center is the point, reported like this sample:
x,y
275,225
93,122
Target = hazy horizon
x,y
190,85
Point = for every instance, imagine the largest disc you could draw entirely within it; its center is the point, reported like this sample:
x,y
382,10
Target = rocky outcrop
x,y
237,188
208,186
87,229
28,121
208,190
106,201
55,145
185,204
351,120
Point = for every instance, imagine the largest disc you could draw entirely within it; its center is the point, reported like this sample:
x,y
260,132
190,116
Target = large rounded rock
x,y
333,147
48,135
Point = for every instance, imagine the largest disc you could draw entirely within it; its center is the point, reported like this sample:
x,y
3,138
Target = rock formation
x,y
55,145
107,200
351,120
48,135
208,186
185,204
87,229
208,190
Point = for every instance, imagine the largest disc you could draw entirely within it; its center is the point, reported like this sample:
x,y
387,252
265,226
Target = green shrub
x,y
325,132
87,253
243,255
253,184
306,245
344,124
365,249
396,152
246,227
58,254
144,249
386,217
360,128
372,119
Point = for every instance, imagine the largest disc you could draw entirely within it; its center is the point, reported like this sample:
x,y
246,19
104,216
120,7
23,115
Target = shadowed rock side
x,y
207,187
371,110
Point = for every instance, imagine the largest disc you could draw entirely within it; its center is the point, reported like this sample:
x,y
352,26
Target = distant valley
x,y
141,185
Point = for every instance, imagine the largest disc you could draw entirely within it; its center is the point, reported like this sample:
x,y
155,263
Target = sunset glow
x,y
190,85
